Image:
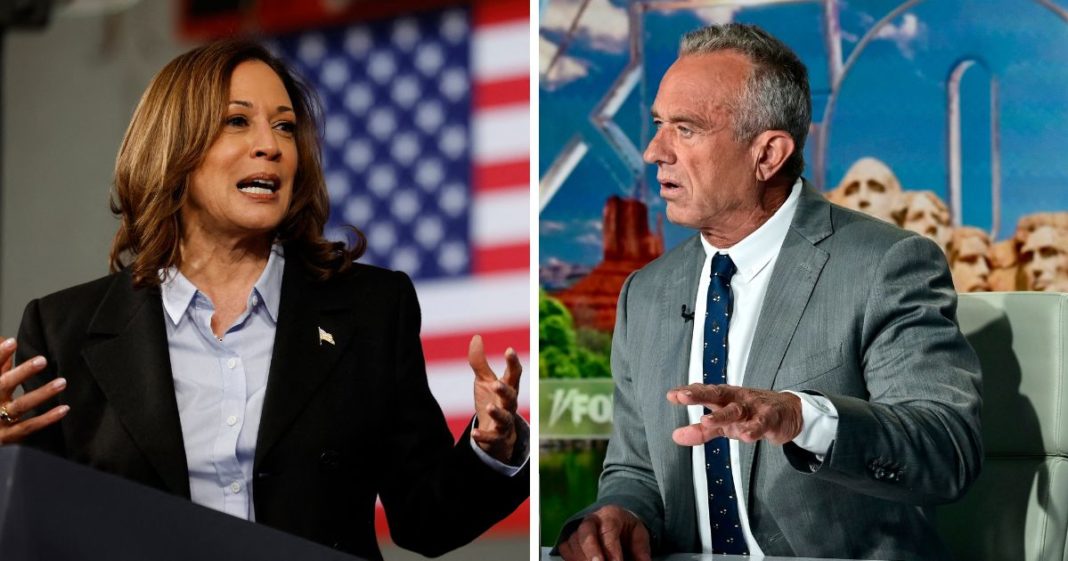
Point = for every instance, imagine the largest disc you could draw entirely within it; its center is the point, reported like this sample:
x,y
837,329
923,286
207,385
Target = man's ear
x,y
772,149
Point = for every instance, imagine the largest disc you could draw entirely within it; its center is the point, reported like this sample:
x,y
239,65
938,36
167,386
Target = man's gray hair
x,y
776,95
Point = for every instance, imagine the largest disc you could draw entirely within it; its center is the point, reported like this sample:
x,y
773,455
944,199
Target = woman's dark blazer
x,y
342,423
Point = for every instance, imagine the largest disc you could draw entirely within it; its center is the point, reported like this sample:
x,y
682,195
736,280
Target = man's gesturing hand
x,y
496,401
17,424
745,414
605,535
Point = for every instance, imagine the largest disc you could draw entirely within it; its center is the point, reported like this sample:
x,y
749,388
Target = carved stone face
x,y
1003,254
968,251
870,187
926,214
1029,223
1043,259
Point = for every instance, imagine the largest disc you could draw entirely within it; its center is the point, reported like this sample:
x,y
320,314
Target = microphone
x,y
687,316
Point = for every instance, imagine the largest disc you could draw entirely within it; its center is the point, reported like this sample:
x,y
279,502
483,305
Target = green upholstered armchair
x,y
1018,508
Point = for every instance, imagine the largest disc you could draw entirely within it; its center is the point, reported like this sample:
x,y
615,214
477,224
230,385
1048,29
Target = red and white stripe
x,y
500,137
495,301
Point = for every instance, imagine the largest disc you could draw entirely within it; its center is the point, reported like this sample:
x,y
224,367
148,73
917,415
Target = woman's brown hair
x,y
177,120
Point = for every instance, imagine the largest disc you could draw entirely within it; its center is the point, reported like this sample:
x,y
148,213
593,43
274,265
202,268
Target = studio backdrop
x,y
945,117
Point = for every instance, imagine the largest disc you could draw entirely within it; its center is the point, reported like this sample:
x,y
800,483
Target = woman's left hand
x,y
495,402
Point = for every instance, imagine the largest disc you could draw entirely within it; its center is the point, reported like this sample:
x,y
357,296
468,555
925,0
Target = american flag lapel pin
x,y
324,336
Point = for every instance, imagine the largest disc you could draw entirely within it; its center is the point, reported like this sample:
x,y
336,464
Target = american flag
x,y
426,150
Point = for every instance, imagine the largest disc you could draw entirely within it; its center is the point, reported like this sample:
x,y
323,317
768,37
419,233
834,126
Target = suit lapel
x,y
792,281
673,339
131,364
302,358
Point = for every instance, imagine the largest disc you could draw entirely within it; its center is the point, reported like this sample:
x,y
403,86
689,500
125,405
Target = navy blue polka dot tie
x,y
727,534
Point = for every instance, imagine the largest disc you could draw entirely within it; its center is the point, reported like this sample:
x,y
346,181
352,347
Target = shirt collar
x,y
178,292
756,250
269,285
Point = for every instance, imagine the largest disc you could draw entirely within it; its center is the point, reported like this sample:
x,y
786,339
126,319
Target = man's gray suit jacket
x,y
857,310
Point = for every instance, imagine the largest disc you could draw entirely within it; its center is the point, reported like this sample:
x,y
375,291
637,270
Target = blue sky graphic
x,y
892,105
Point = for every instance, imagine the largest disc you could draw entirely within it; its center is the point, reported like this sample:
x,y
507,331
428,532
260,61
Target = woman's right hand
x,y
14,426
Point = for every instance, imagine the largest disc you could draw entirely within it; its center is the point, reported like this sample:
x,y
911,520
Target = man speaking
x,y
821,343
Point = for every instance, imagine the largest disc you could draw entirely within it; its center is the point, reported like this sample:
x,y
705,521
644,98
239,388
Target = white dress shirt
x,y
754,257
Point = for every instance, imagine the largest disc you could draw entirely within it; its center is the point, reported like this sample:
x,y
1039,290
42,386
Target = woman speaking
x,y
236,357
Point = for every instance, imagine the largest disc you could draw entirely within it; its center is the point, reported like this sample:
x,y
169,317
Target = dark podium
x,y
52,509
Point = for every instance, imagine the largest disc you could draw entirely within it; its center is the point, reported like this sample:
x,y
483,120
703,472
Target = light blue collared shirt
x,y
220,386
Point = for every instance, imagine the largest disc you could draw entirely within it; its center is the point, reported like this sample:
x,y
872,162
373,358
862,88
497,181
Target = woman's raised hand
x,y
15,420
496,400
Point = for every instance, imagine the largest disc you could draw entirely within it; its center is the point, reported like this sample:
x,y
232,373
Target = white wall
x,y
68,93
